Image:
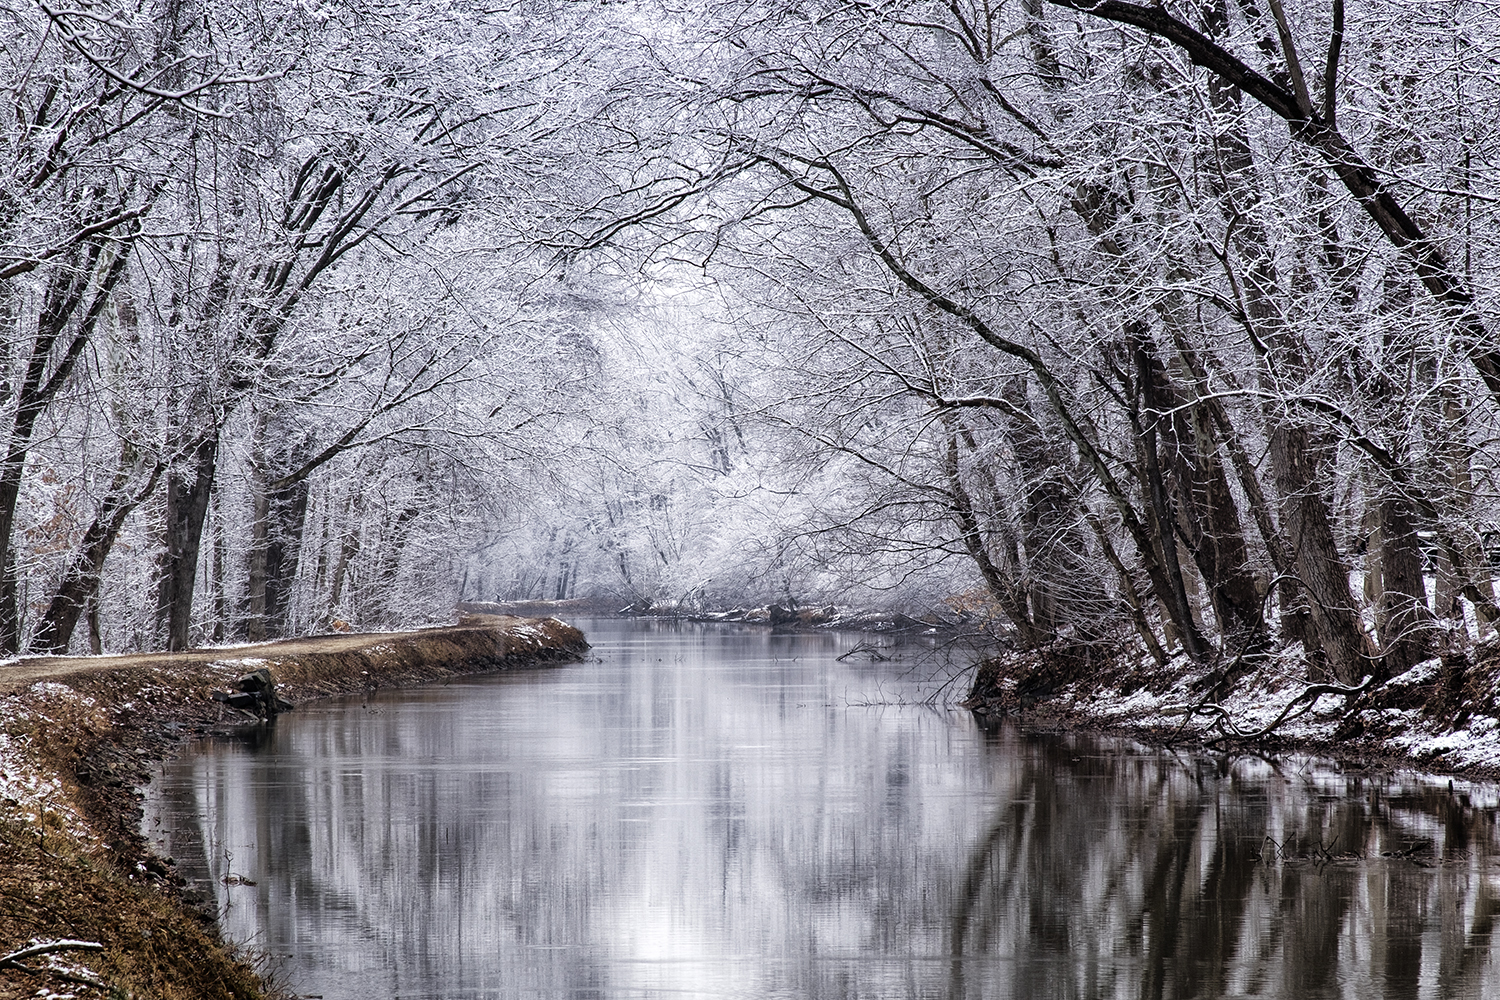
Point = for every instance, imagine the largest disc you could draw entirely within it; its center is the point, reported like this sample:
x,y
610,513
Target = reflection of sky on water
x,y
700,813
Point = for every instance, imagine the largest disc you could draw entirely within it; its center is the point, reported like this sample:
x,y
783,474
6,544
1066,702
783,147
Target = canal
x,y
705,811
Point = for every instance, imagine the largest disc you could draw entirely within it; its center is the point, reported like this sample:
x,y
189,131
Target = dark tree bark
x,y
276,546
1406,622
189,487
1208,518
1159,513
1296,457
288,514
1333,637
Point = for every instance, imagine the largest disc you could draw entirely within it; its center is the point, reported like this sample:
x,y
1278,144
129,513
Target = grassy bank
x,y
77,738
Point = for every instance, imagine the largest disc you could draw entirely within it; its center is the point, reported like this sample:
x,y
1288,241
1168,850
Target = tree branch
x,y
1356,174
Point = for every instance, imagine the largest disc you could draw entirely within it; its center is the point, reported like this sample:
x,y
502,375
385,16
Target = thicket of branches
x,y
271,320
1180,315
1171,320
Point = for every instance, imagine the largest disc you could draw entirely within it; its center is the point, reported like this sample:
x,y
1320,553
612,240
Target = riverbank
x,y
77,738
1440,716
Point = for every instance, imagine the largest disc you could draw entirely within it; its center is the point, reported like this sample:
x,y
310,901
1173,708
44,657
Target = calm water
x,y
700,812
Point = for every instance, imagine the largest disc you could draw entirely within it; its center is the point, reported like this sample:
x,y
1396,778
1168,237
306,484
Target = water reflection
x,y
708,814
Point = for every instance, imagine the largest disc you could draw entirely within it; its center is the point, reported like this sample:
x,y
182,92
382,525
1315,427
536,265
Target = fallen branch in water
x,y
865,647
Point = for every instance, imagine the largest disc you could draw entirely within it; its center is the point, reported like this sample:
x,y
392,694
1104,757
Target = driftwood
x,y
865,647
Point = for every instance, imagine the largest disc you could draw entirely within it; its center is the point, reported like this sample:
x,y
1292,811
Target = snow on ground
x,y
24,794
1261,698
239,666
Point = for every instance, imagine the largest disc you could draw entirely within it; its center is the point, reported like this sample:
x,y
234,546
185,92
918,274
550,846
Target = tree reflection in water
x,y
1112,874
710,814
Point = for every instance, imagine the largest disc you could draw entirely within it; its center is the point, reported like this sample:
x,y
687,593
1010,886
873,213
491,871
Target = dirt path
x,y
16,675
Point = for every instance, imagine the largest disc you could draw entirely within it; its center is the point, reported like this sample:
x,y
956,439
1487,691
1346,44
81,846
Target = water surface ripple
x,y
707,812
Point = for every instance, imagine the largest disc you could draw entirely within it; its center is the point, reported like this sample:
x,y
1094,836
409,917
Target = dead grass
x,y
79,737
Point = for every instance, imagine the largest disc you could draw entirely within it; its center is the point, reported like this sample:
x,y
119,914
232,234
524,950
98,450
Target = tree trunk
x,y
188,493
220,555
1005,594
1208,519
10,605
348,551
381,586
1467,568
255,568
1171,589
1407,633
286,512
280,514
1064,587
1296,458
1335,643
67,288
1128,592
96,637
79,586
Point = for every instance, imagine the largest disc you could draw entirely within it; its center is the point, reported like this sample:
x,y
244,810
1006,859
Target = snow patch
x,y
1422,673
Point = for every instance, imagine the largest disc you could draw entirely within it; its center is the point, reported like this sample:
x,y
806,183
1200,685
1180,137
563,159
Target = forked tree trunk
x,y
79,588
68,288
1134,370
1208,518
1335,642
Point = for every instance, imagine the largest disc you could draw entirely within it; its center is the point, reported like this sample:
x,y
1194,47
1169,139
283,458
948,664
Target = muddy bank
x,y
1442,715
77,737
